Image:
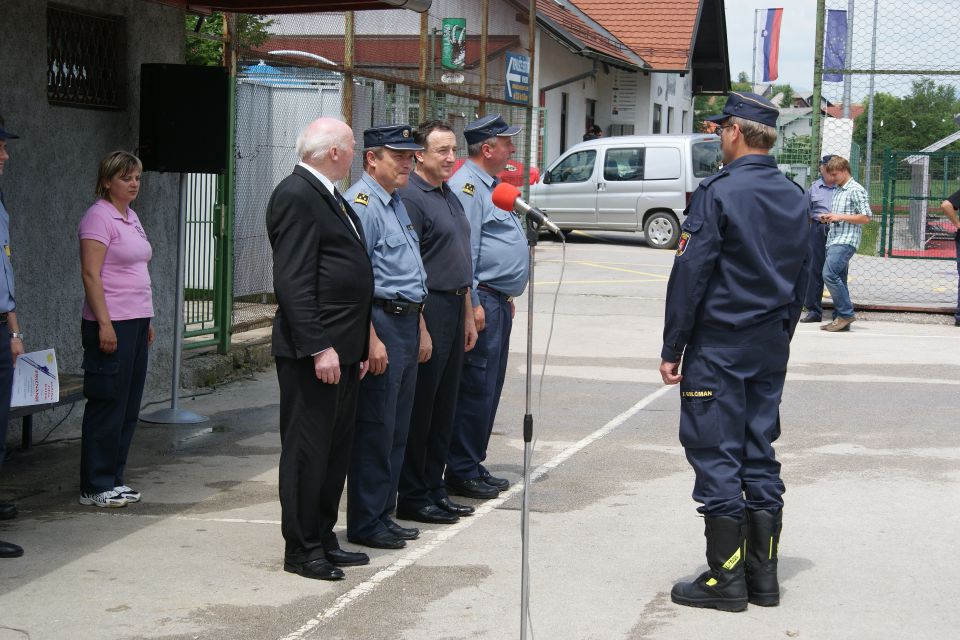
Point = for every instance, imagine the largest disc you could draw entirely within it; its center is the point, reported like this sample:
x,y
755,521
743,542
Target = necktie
x,y
343,209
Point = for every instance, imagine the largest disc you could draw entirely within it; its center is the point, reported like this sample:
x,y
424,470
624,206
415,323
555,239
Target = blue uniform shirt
x,y
7,302
741,260
821,199
498,241
392,244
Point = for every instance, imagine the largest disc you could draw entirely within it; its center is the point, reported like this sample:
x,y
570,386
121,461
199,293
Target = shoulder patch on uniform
x,y
468,189
682,243
362,198
706,182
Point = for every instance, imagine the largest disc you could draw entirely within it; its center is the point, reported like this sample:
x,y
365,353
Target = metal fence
x,y
378,67
889,82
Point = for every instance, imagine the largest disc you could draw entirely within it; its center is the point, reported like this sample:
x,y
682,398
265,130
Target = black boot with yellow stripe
x,y
723,586
763,541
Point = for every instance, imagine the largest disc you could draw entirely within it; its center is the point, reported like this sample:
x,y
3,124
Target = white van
x,y
627,183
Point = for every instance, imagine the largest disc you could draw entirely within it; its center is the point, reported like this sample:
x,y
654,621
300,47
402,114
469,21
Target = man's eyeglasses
x,y
718,128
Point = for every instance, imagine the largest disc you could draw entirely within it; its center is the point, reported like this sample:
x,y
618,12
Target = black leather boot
x,y
10,550
723,587
763,541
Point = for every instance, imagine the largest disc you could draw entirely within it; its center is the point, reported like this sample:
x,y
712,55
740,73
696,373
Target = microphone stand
x,y
533,228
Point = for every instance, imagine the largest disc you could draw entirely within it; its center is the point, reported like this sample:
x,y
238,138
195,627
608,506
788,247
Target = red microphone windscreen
x,y
504,195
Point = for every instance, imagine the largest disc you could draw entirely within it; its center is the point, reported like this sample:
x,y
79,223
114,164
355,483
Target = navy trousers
x,y
813,300
383,421
434,404
956,315
484,370
6,387
730,417
113,386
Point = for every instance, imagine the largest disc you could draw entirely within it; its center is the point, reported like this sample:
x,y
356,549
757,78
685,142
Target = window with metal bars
x,y
85,58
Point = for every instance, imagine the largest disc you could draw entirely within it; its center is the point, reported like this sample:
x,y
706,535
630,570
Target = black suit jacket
x,y
322,276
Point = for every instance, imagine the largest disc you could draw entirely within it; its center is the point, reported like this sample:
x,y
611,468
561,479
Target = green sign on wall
x,y
454,50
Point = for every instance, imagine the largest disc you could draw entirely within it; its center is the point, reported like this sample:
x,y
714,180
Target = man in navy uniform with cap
x,y
820,196
498,243
733,302
386,393
10,347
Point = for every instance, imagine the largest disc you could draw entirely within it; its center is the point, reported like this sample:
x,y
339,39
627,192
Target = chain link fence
x,y
390,71
890,89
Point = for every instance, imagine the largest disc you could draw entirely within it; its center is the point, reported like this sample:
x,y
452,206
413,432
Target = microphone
x,y
507,197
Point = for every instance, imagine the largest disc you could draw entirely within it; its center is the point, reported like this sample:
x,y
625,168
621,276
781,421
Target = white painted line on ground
x,y
130,512
369,585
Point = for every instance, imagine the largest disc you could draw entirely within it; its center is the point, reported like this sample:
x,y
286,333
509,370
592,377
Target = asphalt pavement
x,y
870,451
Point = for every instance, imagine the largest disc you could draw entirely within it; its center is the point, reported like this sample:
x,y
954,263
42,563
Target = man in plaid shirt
x,y
850,210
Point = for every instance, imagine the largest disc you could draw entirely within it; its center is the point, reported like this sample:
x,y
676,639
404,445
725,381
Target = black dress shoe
x,y
431,514
8,511
455,508
403,533
811,317
473,488
380,540
10,550
318,569
341,558
502,484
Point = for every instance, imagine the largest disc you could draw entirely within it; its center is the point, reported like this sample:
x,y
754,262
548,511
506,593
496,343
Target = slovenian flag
x,y
770,38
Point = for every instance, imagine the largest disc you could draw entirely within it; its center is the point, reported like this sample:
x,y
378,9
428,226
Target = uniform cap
x,y
825,159
391,136
6,135
748,106
488,127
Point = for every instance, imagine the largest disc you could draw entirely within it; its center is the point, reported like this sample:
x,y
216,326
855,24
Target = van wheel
x,y
662,231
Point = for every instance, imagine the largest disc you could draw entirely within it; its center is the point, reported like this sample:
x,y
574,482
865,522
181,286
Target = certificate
x,y
35,379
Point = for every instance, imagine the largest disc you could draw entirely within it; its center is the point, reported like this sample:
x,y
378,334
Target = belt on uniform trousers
x,y
3,318
462,291
399,307
490,289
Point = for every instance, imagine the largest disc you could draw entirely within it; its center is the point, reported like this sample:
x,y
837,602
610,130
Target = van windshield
x,y
706,157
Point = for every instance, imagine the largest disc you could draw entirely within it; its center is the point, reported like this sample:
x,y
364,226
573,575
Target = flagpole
x,y
848,78
753,72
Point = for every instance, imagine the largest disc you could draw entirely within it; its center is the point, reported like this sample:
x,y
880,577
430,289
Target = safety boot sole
x,y
722,604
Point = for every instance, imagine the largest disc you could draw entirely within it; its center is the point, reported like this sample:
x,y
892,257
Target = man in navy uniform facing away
x,y
733,302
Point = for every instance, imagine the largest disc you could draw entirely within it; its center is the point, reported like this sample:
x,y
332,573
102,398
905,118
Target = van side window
x,y
706,158
577,167
623,165
663,163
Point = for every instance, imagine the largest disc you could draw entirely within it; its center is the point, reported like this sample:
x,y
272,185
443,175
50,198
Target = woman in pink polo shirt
x,y
116,330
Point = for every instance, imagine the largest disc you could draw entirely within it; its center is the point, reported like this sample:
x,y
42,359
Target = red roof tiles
x,y
659,31
571,21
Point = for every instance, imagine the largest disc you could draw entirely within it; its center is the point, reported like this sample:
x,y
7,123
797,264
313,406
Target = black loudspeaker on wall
x,y
183,118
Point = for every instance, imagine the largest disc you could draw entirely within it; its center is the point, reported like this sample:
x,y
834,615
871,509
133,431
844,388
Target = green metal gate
x,y
207,305
915,183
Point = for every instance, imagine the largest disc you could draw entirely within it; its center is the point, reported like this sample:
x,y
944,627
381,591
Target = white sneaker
x,y
128,493
104,499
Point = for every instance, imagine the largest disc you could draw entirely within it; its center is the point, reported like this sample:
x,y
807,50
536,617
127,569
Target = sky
x,y
796,38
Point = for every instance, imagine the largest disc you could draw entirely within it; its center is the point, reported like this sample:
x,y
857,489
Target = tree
x,y
795,150
787,100
252,31
704,106
912,122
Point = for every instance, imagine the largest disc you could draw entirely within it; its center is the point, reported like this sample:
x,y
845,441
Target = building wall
x,y
48,182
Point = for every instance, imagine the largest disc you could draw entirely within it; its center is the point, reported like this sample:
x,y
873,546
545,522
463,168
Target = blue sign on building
x,y
517,87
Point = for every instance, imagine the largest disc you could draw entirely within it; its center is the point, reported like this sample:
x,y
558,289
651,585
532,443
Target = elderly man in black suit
x,y
324,286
